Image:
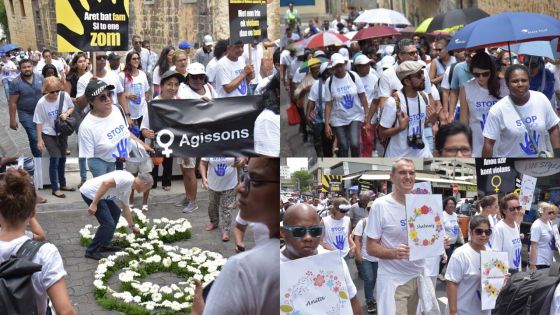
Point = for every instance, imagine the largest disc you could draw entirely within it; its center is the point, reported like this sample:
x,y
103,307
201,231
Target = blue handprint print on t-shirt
x,y
339,244
347,101
483,121
517,258
242,87
122,149
528,147
220,169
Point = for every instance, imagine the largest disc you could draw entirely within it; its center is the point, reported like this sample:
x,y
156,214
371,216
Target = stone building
x,y
32,23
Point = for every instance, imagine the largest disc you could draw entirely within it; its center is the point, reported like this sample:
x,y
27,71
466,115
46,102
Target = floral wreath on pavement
x,y
147,253
413,234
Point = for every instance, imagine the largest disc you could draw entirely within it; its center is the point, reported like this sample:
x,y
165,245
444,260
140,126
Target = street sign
x,y
247,21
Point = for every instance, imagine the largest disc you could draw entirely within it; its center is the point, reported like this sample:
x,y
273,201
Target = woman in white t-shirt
x,y
478,95
17,207
267,125
196,86
451,225
136,87
46,112
337,234
164,63
505,235
345,107
463,271
525,122
542,239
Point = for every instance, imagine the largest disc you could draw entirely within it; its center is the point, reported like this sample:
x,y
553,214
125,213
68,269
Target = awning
x,y
442,180
350,177
375,177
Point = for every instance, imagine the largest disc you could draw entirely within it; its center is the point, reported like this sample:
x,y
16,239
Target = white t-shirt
x,y
227,71
122,190
267,133
294,73
110,78
46,112
260,230
503,124
156,78
542,234
352,291
234,291
257,54
451,226
211,71
51,272
479,102
139,86
347,106
106,138
359,231
389,82
506,239
445,81
222,175
398,145
370,86
185,92
319,109
464,269
336,233
286,58
6,73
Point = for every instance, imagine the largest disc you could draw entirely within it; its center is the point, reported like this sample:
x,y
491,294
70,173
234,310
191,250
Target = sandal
x,y
58,194
67,188
167,188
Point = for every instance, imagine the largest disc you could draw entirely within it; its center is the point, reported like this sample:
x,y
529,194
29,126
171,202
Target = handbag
x,y
541,154
64,127
293,115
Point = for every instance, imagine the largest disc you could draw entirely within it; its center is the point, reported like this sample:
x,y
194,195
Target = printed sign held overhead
x,y
247,21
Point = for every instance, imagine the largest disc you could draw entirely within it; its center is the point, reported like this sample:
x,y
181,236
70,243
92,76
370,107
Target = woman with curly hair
x,y
164,63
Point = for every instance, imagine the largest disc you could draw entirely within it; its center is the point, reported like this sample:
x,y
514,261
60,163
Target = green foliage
x,y
4,19
305,179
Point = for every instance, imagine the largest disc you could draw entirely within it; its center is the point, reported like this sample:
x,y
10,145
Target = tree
x,y
304,179
4,19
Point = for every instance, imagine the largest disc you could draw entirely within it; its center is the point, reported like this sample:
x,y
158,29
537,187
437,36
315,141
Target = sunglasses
x,y
518,208
198,77
136,43
479,231
485,74
247,181
100,57
410,53
551,212
301,231
104,97
51,92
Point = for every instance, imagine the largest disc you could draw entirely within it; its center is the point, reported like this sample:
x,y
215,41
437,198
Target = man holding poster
x,y
232,75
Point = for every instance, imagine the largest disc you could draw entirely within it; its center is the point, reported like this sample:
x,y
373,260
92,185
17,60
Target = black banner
x,y
189,128
92,25
365,185
496,176
247,21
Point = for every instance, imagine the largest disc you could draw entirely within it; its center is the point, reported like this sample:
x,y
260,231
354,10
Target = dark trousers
x,y
167,172
107,214
348,139
322,144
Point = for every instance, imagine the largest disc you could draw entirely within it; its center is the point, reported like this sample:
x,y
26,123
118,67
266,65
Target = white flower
x,y
178,295
166,290
156,297
150,305
182,264
137,299
99,284
166,262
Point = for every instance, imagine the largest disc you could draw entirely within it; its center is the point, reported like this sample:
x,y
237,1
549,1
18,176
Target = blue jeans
x,y
6,84
56,172
99,167
369,273
348,138
83,169
107,214
31,129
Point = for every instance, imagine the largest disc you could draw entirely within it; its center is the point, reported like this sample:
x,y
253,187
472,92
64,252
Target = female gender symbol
x,y
496,185
167,152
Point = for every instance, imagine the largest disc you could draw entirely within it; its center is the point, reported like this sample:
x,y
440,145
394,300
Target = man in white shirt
x,y
204,54
9,71
47,59
232,75
100,194
257,54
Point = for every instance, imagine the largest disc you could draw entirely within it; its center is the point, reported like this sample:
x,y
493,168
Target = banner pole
x,y
94,64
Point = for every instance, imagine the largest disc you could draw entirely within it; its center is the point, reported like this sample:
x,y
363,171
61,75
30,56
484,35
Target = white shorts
x,y
140,167
187,162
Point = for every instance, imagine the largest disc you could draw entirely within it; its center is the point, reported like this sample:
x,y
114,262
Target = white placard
x,y
314,285
493,269
422,188
528,184
424,222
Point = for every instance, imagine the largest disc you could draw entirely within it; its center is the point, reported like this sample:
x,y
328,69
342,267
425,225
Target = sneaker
x,y
94,255
190,207
110,248
182,203
371,306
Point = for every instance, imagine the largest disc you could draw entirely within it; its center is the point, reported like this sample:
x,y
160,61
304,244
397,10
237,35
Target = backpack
x,y
16,287
529,293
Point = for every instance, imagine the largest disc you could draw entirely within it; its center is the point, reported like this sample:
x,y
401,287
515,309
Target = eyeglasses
x,y
518,208
410,53
136,43
484,74
301,231
51,92
479,231
198,77
104,97
455,151
100,57
247,180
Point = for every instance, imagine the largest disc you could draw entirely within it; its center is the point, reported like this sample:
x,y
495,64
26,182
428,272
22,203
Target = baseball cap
x,y
362,60
337,58
113,56
196,68
172,73
313,62
95,87
207,40
324,66
185,45
407,68
344,52
319,53
387,62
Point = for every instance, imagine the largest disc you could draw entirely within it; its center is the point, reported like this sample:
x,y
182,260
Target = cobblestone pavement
x,y
63,218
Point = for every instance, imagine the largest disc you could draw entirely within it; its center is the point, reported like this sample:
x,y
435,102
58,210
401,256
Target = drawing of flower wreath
x,y
413,234
491,290
494,263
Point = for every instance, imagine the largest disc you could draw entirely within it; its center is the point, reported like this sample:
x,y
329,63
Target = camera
x,y
415,142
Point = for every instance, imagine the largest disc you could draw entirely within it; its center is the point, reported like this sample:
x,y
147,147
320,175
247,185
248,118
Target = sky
x,y
296,164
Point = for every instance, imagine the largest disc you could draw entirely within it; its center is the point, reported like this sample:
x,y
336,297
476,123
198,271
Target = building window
x,y
22,8
188,1
12,7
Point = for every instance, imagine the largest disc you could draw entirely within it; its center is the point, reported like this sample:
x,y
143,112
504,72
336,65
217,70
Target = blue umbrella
x,y
8,47
504,29
537,48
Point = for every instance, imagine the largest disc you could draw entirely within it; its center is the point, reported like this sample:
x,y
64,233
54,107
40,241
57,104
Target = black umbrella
x,y
456,17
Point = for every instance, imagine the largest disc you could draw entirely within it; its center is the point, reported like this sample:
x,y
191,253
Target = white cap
x,y
387,62
207,40
337,58
362,60
344,52
195,68
318,53
324,66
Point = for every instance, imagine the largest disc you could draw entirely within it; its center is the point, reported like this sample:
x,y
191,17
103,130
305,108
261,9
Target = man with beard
x,y
405,115
25,92
232,75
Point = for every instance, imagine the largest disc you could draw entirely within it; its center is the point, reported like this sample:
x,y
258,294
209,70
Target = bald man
x,y
303,216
